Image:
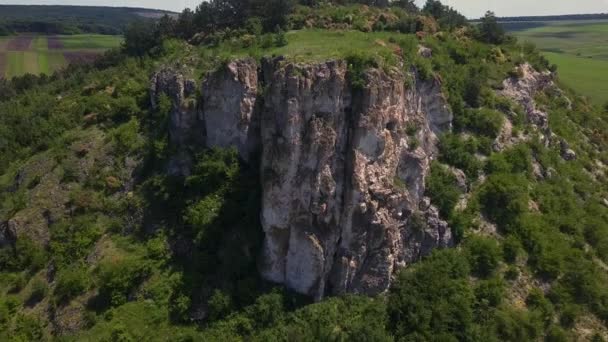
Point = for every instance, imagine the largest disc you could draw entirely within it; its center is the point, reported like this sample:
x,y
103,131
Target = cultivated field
x,y
580,50
38,54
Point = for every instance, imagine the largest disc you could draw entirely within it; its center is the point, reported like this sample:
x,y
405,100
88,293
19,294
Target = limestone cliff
x,y
342,169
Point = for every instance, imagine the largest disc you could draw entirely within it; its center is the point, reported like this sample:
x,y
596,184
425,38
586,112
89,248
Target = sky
x,y
470,8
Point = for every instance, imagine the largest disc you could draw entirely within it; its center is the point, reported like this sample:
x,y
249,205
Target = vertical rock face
x,y
221,116
304,142
228,105
178,88
342,179
343,170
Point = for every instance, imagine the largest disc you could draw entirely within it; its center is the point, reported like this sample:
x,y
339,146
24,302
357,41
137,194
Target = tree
x,y
447,17
407,5
434,8
185,27
140,38
167,26
490,31
273,13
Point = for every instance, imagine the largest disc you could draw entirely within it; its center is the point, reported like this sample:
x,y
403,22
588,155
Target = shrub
x,y
536,301
512,273
126,137
504,198
280,39
38,290
26,328
460,153
515,160
441,187
490,293
16,282
515,325
71,282
486,122
423,68
26,255
432,298
557,334
71,240
569,315
484,255
357,65
118,278
219,305
512,248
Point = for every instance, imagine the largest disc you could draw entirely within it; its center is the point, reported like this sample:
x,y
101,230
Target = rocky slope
x,y
343,169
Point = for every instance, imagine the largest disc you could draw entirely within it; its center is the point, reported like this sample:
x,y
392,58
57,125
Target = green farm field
x,y
40,54
579,49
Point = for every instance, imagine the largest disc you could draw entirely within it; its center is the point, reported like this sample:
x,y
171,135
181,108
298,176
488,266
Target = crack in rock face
x,y
342,172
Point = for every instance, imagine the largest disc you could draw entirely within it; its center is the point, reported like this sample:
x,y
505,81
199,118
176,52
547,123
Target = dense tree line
x,y
70,19
259,16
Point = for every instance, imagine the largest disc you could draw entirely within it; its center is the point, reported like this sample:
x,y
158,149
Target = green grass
x,y
318,45
21,62
90,41
40,44
586,76
580,50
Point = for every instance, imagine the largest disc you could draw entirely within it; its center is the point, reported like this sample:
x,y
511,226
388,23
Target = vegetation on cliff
x,y
99,241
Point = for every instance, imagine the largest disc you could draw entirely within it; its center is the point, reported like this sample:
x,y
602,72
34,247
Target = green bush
x,y
26,255
126,137
490,293
71,282
38,290
512,249
432,299
514,325
71,240
515,160
358,64
219,305
484,255
486,122
504,199
26,328
557,334
536,301
117,278
441,187
460,153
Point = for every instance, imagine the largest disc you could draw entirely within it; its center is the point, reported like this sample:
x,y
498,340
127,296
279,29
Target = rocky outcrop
x,y
524,88
220,116
342,170
228,107
341,179
181,90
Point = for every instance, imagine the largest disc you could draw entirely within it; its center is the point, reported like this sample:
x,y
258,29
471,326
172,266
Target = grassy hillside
x,y
579,49
100,243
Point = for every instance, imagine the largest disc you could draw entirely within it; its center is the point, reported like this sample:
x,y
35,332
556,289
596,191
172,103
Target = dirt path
x,y
20,43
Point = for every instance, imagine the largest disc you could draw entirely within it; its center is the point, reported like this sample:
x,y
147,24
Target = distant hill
x,y
528,22
71,19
